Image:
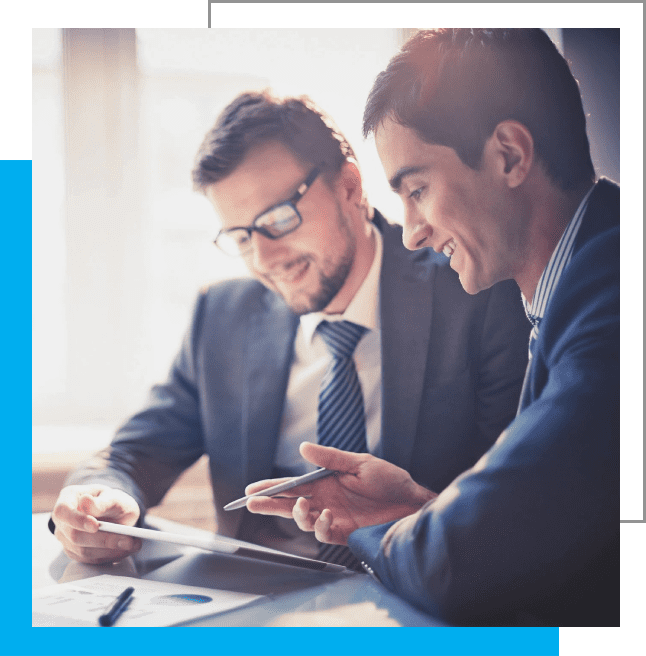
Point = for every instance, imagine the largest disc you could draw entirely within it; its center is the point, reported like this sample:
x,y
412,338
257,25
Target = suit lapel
x,y
406,309
602,213
270,349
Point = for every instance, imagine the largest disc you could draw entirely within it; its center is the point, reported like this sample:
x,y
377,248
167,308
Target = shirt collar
x,y
552,273
363,309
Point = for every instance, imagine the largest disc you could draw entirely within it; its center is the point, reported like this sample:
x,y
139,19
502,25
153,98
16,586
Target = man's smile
x,y
449,248
292,273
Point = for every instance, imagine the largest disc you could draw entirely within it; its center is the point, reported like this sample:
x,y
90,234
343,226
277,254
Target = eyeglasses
x,y
275,223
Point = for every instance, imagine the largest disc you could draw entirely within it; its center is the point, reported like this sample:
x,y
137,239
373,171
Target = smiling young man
x,y
439,372
482,134
320,267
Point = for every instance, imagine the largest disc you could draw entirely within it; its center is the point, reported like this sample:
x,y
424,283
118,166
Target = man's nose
x,y
417,231
265,251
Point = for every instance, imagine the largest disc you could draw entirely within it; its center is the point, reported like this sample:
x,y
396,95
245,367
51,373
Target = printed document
x,y
154,603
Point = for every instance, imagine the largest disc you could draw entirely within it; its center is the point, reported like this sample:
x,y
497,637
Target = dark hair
x,y
254,118
453,86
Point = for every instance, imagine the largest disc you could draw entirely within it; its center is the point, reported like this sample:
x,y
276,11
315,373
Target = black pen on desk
x,y
282,487
116,608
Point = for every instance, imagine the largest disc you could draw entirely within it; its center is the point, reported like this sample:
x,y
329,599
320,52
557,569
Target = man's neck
x,y
364,257
550,216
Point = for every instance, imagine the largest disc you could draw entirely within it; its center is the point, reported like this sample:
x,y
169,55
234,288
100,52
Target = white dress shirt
x,y
311,359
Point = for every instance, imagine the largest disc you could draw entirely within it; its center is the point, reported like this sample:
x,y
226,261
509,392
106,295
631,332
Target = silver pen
x,y
282,487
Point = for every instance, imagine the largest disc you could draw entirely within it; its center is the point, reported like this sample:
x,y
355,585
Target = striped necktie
x,y
533,337
341,417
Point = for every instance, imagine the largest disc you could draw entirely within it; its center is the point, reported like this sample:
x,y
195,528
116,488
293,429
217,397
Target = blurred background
x,y
121,243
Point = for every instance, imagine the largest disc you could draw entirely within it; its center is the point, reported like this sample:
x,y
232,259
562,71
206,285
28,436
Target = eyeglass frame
x,y
250,229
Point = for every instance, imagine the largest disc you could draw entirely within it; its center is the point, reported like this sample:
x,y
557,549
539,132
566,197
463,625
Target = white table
x,y
295,597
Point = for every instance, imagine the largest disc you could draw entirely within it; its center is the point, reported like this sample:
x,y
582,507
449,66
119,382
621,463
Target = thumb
x,y
86,504
94,505
331,458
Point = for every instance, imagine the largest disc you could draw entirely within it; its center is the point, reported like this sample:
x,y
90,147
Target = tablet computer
x,y
224,545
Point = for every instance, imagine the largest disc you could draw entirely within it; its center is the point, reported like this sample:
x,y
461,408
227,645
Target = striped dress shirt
x,y
551,275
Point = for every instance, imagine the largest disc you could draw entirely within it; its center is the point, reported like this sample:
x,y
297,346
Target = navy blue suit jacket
x,y
452,370
530,535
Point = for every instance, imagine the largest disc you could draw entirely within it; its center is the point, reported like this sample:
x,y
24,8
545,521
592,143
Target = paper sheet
x,y
154,603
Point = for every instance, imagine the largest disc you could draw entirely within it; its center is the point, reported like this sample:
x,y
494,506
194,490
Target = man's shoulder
x,y
601,214
587,296
233,286
597,259
591,278
607,191
238,295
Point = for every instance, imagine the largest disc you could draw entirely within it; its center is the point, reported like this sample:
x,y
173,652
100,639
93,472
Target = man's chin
x,y
473,285
297,301
301,307
469,285
301,303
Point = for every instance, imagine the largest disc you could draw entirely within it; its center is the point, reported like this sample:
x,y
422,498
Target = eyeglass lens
x,y
275,223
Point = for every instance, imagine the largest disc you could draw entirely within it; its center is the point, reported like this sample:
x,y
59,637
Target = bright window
x,y
121,242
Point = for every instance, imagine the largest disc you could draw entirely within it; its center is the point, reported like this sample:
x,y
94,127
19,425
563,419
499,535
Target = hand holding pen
x,y
275,490
364,492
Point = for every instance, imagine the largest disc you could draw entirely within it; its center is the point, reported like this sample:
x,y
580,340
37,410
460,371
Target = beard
x,y
329,286
329,283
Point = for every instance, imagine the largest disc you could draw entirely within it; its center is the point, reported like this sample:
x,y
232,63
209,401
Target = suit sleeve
x,y
543,503
157,444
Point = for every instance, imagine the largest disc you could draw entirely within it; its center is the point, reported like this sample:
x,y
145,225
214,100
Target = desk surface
x,y
295,597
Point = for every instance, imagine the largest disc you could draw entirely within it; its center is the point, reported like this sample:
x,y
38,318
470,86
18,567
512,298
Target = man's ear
x,y
349,185
512,148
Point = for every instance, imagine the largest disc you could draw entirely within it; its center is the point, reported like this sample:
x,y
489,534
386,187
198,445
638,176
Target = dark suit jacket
x,y
452,371
530,534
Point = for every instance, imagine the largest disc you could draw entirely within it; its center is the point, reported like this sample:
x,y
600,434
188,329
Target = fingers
x,y
75,516
67,511
331,532
258,486
80,506
321,523
94,548
323,527
109,504
271,506
298,509
331,458
304,515
92,505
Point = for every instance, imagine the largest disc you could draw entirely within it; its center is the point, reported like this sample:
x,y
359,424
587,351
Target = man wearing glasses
x,y
343,337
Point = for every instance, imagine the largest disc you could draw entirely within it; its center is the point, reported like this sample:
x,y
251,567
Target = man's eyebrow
x,y
396,180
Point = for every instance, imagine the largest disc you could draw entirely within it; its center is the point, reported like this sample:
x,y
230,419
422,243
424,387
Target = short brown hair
x,y
254,118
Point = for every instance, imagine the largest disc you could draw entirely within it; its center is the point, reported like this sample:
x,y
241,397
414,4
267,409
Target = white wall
x,y
119,259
